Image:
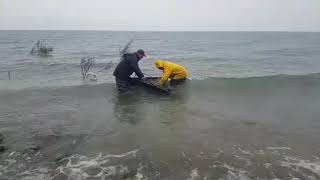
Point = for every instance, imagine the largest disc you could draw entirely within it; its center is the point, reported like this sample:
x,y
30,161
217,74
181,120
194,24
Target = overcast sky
x,y
162,15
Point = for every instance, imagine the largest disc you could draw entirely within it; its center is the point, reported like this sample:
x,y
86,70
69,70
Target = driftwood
x,y
85,64
125,50
40,49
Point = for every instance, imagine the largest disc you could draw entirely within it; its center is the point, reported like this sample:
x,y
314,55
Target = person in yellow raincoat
x,y
175,72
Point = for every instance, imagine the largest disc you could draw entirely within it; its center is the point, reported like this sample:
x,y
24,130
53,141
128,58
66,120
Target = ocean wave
x,y
96,65
21,166
83,167
264,83
290,52
282,77
244,164
304,166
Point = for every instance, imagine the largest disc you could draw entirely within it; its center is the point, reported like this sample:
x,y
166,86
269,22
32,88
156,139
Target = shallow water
x,y
219,128
206,54
238,119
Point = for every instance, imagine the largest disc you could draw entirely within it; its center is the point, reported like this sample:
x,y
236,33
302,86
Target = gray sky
x,y
162,15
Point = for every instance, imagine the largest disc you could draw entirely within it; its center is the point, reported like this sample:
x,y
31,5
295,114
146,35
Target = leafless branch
x,y
125,49
85,64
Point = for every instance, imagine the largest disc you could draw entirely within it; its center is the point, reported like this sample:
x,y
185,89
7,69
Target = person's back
x,y
126,67
178,71
171,70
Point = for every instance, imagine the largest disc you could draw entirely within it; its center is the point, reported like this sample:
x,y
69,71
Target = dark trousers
x,y
177,82
123,85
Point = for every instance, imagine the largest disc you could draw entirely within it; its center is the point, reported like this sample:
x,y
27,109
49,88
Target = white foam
x,y
91,76
35,174
267,165
236,174
37,177
77,166
279,148
11,154
139,176
198,78
244,151
301,163
217,154
194,174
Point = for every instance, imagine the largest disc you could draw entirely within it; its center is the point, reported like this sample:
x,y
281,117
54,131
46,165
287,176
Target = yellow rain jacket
x,y
171,70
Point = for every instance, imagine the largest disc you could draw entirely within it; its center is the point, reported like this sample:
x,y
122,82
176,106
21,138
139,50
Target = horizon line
x,y
102,30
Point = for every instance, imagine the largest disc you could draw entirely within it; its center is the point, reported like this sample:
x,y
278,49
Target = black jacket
x,y
127,66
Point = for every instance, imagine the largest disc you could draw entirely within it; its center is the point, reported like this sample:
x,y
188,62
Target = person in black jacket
x,y
126,67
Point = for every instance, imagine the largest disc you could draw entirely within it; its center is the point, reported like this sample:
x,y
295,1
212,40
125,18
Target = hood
x,y
159,63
